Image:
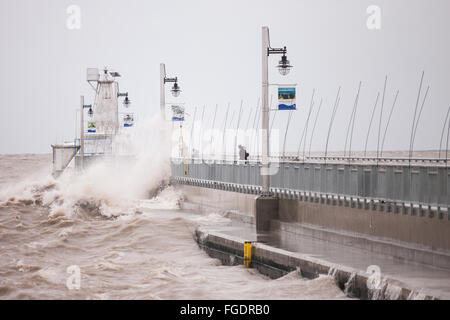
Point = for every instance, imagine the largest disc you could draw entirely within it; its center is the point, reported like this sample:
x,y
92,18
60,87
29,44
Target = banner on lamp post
x,y
178,113
92,127
286,98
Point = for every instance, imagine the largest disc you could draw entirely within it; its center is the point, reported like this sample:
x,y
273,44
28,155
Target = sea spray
x,y
111,186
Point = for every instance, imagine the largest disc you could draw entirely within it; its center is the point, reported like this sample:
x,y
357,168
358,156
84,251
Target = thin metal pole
x,y
192,132
248,119
82,132
442,134
305,127
414,118
389,120
418,118
307,123
223,133
370,123
446,147
314,128
162,93
212,131
237,129
274,115
256,114
76,127
200,133
336,103
354,118
232,118
285,132
381,117
256,140
348,129
252,137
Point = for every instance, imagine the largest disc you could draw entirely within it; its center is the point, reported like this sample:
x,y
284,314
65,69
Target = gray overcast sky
x,y
214,49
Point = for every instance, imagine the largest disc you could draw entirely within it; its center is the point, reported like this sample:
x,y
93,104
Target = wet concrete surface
x,y
419,277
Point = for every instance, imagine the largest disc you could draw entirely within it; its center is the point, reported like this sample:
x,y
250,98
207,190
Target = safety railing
x,y
422,184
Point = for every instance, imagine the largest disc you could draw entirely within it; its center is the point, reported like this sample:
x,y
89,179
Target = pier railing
x,y
426,184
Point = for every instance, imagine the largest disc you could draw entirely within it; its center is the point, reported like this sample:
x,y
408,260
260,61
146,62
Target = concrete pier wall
x,y
422,237
204,199
432,233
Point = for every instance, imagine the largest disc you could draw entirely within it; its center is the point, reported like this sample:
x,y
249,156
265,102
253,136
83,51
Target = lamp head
x,y
126,102
283,65
176,90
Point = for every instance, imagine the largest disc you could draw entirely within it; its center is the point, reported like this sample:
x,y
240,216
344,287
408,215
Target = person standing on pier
x,y
242,152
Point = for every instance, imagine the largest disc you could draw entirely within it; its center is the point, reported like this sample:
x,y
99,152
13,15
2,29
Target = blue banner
x,y
92,127
178,113
286,98
175,118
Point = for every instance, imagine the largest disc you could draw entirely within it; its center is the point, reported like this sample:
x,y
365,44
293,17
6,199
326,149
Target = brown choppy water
x,y
148,252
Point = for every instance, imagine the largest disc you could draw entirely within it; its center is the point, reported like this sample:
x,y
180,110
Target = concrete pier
x,y
275,263
411,237
409,248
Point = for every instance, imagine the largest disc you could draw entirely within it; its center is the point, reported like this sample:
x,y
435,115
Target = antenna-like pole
x,y
305,127
162,93
285,133
192,132
414,118
223,133
370,123
354,118
442,134
418,118
387,124
82,132
212,131
381,117
237,129
314,127
446,147
351,121
336,103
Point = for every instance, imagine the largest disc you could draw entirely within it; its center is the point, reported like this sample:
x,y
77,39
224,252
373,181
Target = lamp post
x,y
83,106
284,68
175,89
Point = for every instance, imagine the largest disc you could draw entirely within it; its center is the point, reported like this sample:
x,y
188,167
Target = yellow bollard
x,y
247,253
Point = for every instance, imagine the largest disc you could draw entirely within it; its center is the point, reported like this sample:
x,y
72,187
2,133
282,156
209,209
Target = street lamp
x,y
283,65
175,89
284,68
126,102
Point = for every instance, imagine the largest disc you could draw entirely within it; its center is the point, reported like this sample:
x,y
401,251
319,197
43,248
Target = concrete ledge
x,y
397,250
414,238
275,262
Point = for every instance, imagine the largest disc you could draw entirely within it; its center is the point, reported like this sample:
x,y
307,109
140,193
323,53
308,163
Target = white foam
x,y
109,187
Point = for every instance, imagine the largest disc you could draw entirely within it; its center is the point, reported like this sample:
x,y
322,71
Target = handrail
x,y
400,161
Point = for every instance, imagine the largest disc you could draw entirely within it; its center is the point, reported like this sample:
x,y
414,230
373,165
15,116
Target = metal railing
x,y
421,184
